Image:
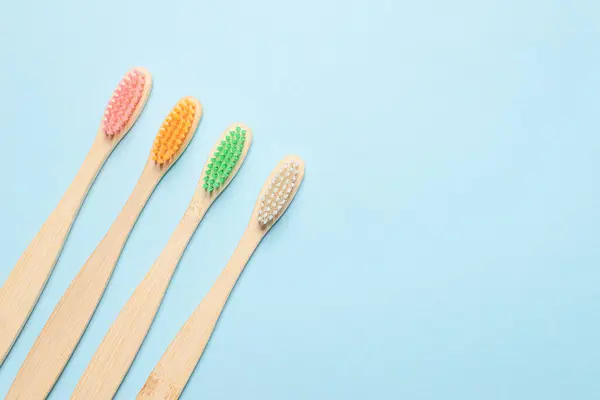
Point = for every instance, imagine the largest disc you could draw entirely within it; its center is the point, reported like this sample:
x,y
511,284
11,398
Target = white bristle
x,y
277,193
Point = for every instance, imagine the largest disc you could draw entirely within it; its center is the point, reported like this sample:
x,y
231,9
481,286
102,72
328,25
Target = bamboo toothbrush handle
x,y
23,287
176,365
70,317
117,351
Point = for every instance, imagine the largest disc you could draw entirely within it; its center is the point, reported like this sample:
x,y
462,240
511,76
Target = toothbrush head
x,y
227,158
127,102
176,131
278,191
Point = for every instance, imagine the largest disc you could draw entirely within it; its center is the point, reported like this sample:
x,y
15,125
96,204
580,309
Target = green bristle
x,y
224,159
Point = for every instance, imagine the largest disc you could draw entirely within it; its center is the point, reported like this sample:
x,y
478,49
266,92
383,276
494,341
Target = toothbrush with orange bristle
x,y
23,287
117,351
170,375
63,330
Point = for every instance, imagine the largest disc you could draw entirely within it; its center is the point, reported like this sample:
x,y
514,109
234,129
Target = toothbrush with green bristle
x,y
117,351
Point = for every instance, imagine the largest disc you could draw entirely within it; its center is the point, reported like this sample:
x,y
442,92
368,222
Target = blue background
x,y
444,244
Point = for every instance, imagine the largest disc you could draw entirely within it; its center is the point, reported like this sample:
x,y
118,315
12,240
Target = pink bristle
x,y
123,103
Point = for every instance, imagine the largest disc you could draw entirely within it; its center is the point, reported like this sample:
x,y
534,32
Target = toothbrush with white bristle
x,y
169,377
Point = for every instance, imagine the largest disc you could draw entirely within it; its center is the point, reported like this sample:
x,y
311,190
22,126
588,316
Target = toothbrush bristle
x,y
174,131
224,159
123,103
278,192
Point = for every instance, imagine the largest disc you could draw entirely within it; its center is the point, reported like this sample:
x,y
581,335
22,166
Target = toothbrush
x,y
117,351
172,372
23,287
59,337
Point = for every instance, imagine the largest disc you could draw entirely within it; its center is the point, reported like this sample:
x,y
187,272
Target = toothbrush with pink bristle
x,y
25,283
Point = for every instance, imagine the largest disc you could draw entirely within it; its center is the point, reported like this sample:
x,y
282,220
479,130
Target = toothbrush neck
x,y
183,233
124,223
79,187
244,250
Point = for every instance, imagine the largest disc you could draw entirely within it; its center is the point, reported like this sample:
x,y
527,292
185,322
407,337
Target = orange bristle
x,y
173,131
